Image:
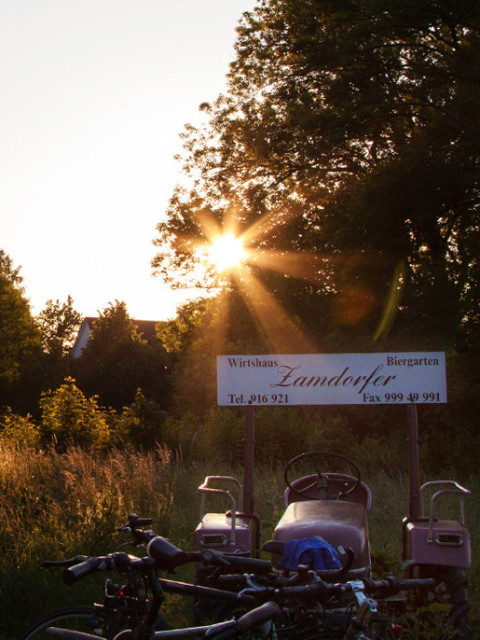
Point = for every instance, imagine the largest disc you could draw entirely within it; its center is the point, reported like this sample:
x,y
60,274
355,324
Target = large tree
x,y
59,323
20,342
348,137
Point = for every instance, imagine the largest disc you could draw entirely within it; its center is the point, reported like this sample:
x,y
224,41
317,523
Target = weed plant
x,y
55,505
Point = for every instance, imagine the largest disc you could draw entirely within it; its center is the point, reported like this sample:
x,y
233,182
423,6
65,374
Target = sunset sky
x,y
94,96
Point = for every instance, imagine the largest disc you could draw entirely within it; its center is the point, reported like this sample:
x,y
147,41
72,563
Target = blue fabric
x,y
314,552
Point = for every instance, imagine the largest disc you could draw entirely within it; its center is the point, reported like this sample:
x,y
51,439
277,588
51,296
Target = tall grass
x,y
55,505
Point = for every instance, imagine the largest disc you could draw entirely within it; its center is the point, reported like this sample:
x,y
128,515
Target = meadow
x,y
55,505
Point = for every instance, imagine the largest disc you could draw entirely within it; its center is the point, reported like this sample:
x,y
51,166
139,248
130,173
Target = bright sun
x,y
219,249
226,252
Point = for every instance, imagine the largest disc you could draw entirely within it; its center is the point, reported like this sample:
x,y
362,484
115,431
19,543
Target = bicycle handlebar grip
x,y
143,536
142,522
63,563
72,574
393,585
246,565
418,583
248,621
166,555
256,617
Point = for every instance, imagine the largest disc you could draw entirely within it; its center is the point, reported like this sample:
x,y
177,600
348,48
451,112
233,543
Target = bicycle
x,y
126,605
261,616
310,605
316,609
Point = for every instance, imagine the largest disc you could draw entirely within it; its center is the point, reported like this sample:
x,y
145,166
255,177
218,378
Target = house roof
x,y
146,328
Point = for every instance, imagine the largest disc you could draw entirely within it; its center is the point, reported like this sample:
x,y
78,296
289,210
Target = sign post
x,y
332,379
414,503
248,470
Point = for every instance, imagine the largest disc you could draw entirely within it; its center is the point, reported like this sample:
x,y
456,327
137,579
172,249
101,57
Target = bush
x,y
21,430
141,424
69,418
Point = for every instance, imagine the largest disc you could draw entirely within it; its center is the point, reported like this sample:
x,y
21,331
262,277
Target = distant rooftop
x,y
146,328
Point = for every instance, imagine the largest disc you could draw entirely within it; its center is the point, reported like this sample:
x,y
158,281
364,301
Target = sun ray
x,y
231,255
281,333
209,339
226,258
266,223
208,225
226,253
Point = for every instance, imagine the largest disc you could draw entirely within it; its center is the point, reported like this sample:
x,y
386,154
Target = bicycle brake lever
x,y
63,563
134,521
209,556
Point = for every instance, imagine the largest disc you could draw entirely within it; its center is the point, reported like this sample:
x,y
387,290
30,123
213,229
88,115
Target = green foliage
x,y
19,337
176,335
20,341
140,424
59,323
193,336
221,436
281,433
69,418
9,272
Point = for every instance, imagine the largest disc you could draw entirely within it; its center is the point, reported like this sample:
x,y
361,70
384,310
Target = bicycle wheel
x,y
85,619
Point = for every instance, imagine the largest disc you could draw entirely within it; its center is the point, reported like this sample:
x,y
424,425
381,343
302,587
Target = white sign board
x,y
347,378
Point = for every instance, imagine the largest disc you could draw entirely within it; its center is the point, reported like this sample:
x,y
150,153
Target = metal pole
x,y
415,505
248,497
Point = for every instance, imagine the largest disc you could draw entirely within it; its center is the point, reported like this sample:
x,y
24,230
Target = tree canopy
x,y
345,152
59,323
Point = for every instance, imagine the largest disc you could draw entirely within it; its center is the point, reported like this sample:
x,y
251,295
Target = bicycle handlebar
x,y
256,617
323,591
116,561
63,563
250,620
392,585
168,557
241,564
162,555
83,569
